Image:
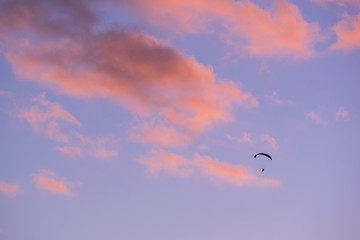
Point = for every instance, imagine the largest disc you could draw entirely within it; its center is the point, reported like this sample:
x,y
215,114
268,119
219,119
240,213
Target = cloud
x,y
316,117
342,115
5,93
10,190
348,29
158,135
348,33
338,2
43,18
280,31
151,79
49,117
203,147
176,165
274,98
69,151
246,137
46,116
99,148
103,153
269,140
47,180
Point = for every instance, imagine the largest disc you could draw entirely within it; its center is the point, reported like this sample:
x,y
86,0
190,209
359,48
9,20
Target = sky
x,y
135,119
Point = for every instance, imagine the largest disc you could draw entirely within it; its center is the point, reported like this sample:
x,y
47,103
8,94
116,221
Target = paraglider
x,y
264,154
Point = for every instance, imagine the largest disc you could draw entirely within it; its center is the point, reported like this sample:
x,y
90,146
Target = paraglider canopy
x,y
265,154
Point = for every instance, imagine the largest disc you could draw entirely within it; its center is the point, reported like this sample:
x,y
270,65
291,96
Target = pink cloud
x,y
10,190
69,151
176,165
246,137
99,148
42,17
269,140
149,78
169,163
103,153
348,33
314,116
49,117
158,135
45,117
338,2
5,93
47,180
280,31
274,98
342,115
203,147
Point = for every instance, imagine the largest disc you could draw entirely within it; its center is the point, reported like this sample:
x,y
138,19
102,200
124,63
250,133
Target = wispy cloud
x,y
69,151
10,190
274,98
46,116
338,2
101,147
246,137
269,140
342,115
49,117
315,116
203,147
176,165
48,181
5,93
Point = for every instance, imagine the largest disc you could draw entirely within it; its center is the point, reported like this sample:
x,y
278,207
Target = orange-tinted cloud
x,y
46,117
47,180
10,190
149,78
348,33
280,31
166,136
176,165
169,163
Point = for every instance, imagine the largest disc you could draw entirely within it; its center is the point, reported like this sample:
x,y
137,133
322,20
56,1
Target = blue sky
x,y
140,119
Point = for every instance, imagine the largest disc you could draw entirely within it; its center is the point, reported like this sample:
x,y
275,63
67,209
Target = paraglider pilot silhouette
x,y
266,155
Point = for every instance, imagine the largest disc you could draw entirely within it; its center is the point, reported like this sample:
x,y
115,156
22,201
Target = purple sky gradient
x,y
139,119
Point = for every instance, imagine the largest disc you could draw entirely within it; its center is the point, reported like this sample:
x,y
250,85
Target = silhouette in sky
x,y
265,154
